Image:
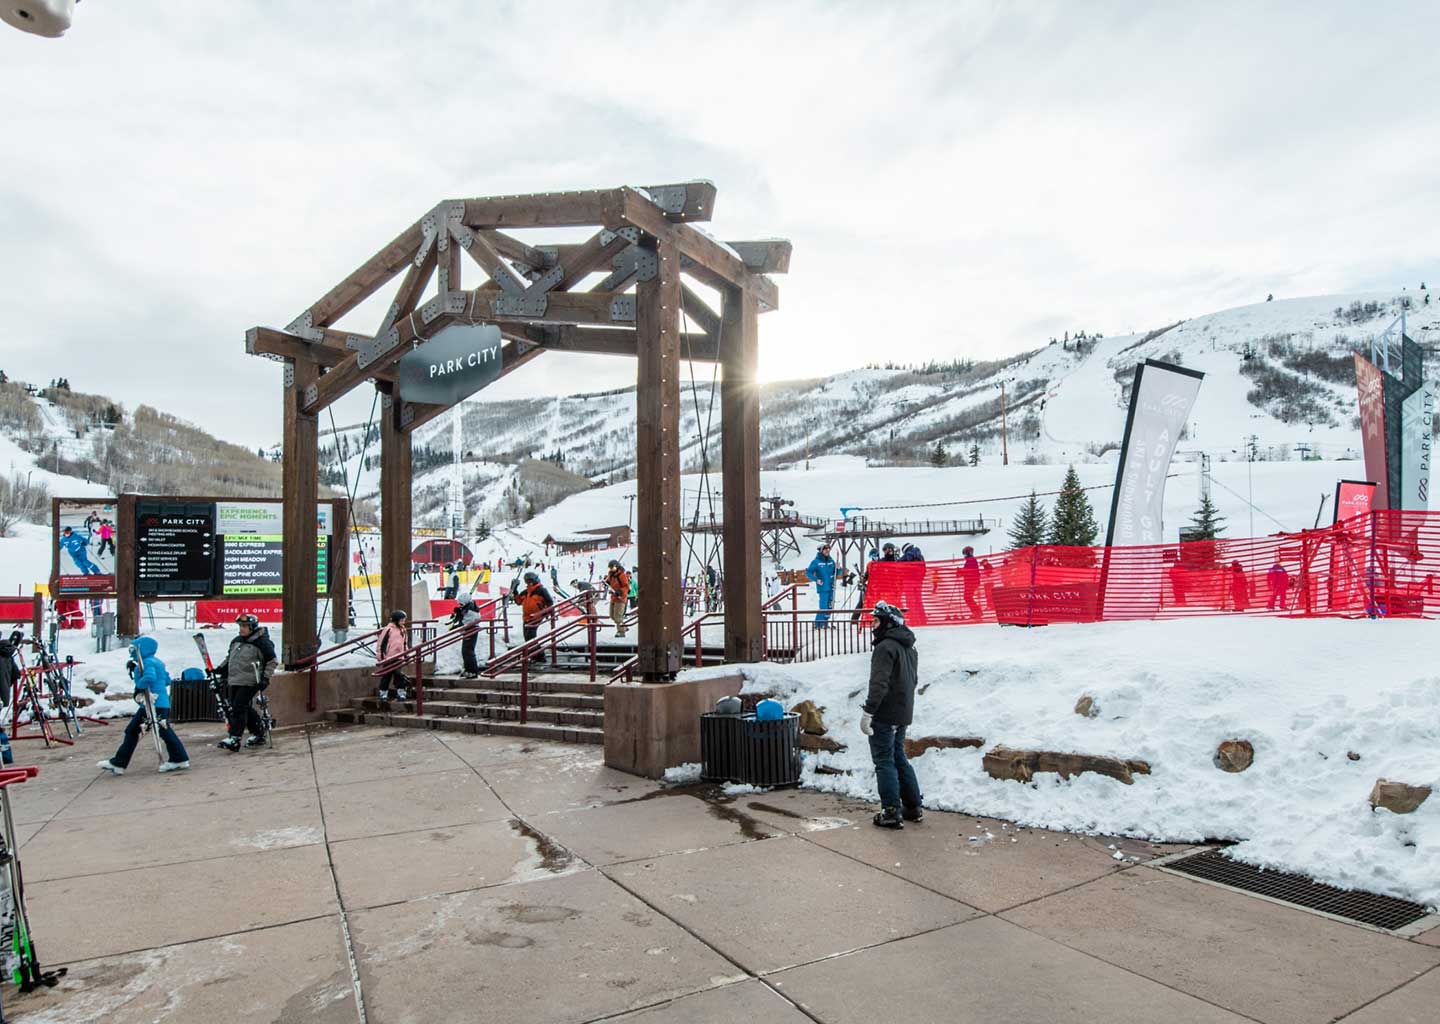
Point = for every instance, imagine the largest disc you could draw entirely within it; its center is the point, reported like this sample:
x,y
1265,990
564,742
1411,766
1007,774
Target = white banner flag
x,y
1160,403
1417,440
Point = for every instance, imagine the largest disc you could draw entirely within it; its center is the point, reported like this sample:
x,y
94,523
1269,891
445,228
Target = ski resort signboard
x,y
1160,403
83,550
1417,444
174,548
253,547
456,363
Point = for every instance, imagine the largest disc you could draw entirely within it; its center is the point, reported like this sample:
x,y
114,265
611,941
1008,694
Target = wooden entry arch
x,y
643,243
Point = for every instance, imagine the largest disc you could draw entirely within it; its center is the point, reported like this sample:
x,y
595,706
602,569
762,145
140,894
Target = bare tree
x,y
21,501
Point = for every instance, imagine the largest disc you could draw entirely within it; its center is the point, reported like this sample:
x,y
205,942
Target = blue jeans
x,y
174,749
827,601
893,775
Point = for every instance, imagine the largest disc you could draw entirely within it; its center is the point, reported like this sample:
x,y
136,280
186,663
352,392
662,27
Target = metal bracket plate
x,y
312,393
289,374
304,326
631,235
382,344
670,198
521,305
622,308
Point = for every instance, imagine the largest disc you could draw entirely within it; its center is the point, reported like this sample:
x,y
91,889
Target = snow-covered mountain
x,y
1278,372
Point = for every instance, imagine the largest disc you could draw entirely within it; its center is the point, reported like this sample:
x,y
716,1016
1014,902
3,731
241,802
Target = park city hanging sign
x,y
456,363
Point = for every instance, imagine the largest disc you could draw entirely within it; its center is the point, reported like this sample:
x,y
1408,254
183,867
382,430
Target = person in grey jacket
x,y
247,669
888,710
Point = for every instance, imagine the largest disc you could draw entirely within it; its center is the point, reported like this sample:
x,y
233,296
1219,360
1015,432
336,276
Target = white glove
x,y
865,727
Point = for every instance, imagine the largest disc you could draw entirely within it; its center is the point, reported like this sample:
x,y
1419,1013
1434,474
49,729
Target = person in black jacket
x,y
247,669
888,710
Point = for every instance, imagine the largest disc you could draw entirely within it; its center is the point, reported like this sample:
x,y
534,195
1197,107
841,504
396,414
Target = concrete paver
x,y
749,1000
408,803
480,751
383,869
565,784
983,971
1415,1003
951,854
171,835
212,777
41,798
782,902
554,952
1263,960
384,755
292,974
663,822
1430,938
123,911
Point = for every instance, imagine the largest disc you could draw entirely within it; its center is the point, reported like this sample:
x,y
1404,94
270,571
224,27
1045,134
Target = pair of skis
x,y
262,702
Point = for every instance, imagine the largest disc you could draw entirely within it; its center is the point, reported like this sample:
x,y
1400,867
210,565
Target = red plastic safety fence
x,y
1379,564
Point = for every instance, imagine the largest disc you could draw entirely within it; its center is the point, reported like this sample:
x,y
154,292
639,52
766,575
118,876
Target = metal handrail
x,y
583,601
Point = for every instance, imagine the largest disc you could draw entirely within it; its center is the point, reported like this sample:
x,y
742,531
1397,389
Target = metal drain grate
x,y
1370,908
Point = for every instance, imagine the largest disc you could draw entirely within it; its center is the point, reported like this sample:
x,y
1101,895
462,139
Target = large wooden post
x,y
395,483
127,603
740,474
339,568
657,441
300,513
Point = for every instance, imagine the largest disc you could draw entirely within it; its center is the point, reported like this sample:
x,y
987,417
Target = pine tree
x,y
975,453
1028,530
938,455
1073,524
1207,523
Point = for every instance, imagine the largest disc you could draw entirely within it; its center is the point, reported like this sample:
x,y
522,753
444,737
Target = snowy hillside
x,y
1278,372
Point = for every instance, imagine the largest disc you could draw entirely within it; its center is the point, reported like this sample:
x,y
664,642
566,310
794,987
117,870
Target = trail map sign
x,y
254,547
174,548
456,363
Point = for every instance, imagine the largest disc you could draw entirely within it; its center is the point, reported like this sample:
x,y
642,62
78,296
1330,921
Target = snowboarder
x,y
467,616
888,710
247,668
970,581
394,639
535,602
1239,587
77,544
617,584
150,677
822,571
1279,582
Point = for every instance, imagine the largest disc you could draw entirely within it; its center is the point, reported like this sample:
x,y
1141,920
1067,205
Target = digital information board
x,y
253,543
174,548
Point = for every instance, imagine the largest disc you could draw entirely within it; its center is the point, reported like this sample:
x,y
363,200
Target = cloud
x,y
958,178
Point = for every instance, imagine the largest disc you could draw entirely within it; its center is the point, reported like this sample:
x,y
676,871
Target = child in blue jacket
x,y
149,674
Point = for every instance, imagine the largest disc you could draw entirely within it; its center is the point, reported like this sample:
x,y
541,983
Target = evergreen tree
x,y
938,455
1073,524
482,529
1207,523
1028,530
975,453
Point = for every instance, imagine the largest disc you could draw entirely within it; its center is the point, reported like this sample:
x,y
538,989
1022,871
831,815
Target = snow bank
x,y
1304,693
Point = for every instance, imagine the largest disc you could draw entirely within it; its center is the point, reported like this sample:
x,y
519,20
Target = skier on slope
x,y
822,571
150,675
535,602
77,545
888,710
247,668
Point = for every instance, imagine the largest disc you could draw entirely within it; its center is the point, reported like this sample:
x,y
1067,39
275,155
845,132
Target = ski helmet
x,y
615,564
532,577
398,616
889,549
888,614
247,620
968,551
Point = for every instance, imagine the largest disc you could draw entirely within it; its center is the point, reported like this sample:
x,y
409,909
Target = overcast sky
x,y
959,179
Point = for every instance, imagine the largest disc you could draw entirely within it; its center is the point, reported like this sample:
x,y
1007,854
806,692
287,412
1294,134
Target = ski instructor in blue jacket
x,y
822,571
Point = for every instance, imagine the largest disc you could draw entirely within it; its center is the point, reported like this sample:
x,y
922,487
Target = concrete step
x,y
531,730
544,698
490,712
542,682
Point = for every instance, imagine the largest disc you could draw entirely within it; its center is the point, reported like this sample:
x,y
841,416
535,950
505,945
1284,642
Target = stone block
x,y
653,726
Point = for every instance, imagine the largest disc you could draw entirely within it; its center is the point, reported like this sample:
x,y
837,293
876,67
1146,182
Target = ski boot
x,y
111,767
916,813
889,817
229,743
254,741
174,766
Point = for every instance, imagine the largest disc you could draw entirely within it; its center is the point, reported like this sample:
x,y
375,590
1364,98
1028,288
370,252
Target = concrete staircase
x,y
562,707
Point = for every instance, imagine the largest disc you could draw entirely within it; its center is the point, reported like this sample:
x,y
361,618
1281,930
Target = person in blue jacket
x,y
77,543
822,571
149,673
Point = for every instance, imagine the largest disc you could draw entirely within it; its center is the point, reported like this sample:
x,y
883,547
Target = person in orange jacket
x,y
534,601
617,583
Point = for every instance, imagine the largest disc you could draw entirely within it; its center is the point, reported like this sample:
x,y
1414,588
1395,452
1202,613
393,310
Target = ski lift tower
x,y
457,474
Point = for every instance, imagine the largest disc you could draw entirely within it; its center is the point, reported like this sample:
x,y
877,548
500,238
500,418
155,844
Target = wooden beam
x,y
299,476
396,481
571,209
604,341
583,260
695,308
740,475
512,248
327,353
713,263
365,281
488,259
765,255
657,443
339,563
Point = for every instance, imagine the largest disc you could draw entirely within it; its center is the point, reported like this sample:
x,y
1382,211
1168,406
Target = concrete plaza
x,y
393,876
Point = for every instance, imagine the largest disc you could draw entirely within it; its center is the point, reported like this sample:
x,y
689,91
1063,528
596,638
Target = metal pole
x,y
1004,429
